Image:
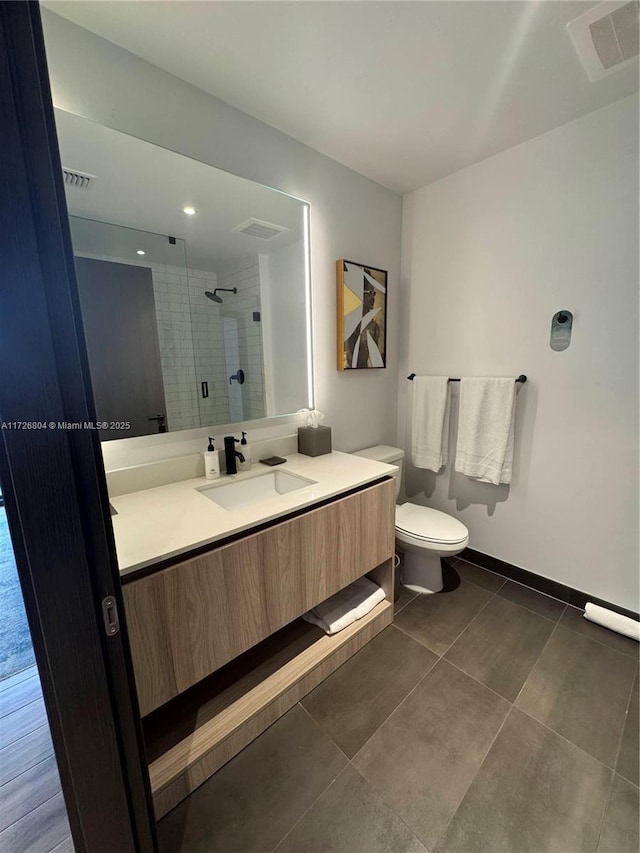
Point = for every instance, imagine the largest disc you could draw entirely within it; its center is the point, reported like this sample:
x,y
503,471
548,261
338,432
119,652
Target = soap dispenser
x,y
245,449
211,462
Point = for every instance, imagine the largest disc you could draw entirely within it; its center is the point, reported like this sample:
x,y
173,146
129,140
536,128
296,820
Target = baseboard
x,y
568,594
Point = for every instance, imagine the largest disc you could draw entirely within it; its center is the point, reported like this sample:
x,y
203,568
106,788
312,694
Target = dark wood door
x,y
119,317
53,480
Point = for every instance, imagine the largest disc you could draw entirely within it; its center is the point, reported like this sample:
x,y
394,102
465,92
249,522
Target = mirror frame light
x,y
306,225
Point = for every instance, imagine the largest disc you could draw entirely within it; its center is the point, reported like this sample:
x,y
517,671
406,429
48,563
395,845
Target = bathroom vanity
x,y
219,649
215,576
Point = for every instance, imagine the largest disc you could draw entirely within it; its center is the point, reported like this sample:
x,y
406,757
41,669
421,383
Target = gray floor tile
x,y
350,817
480,577
424,757
580,689
435,764
437,620
406,595
629,757
574,618
501,646
620,827
255,799
535,792
546,606
356,699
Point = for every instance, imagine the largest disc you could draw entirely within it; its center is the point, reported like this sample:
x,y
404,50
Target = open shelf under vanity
x,y
195,734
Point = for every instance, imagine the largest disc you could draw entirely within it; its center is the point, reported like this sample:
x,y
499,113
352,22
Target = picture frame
x,y
361,316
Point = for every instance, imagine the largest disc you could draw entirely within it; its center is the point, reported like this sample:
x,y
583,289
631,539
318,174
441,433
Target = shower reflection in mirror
x,y
175,304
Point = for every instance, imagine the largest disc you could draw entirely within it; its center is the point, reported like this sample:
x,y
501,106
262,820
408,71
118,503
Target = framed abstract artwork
x,y
362,316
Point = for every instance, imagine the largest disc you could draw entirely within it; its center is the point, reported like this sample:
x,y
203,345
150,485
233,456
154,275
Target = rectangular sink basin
x,y
256,489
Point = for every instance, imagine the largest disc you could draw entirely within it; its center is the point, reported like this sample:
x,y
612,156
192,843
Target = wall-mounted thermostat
x,y
561,325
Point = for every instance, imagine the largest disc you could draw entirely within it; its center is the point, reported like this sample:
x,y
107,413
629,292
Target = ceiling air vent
x,y
606,37
259,228
79,180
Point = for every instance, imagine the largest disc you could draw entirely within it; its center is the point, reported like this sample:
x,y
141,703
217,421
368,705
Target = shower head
x,y
215,298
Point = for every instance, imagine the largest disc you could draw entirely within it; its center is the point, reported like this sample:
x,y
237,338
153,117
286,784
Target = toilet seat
x,y
424,524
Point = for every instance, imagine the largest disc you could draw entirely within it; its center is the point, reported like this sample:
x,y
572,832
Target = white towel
x,y
613,621
485,429
351,603
430,422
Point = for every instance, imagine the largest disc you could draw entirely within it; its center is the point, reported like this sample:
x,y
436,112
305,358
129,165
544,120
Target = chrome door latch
x,y
110,616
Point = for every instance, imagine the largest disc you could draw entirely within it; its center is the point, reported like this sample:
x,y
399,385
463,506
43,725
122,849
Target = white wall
x,y
350,215
489,254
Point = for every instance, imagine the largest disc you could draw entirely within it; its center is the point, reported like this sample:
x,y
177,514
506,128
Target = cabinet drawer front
x,y
188,620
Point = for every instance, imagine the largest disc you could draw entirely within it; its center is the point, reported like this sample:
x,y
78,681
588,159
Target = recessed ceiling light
x,y
141,252
190,211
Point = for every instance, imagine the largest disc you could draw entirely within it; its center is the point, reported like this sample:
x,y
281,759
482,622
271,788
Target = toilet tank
x,y
387,454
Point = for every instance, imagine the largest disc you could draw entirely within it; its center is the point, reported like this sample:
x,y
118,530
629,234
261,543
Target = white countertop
x,y
156,524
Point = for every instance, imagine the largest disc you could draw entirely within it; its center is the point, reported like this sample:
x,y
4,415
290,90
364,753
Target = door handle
x,y
162,422
239,377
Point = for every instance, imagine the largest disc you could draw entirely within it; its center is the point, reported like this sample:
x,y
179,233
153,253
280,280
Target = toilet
x,y
423,534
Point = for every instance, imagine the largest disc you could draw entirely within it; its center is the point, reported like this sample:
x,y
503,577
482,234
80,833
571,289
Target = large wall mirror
x,y
194,286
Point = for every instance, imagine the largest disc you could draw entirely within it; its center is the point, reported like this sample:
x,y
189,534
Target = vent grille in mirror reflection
x,y
259,228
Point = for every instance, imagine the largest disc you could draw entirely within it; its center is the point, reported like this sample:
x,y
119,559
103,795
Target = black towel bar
x,y
522,378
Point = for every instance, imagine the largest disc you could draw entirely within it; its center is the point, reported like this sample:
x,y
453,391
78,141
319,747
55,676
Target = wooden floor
x,y
33,818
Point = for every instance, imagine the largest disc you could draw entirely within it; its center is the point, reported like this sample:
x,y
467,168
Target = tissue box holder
x,y
314,442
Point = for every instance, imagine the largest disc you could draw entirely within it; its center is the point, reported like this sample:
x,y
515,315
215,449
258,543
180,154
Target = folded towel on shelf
x,y
430,422
485,429
351,603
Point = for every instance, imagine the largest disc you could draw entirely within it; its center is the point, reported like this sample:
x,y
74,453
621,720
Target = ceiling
x,y
403,92
145,187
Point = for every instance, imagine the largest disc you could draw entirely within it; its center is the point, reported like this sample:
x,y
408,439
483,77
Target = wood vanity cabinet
x,y
206,615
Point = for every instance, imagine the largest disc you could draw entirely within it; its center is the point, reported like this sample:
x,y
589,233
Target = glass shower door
x,y
227,334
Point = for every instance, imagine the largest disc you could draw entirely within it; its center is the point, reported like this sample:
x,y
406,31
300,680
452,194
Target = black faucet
x,y
230,454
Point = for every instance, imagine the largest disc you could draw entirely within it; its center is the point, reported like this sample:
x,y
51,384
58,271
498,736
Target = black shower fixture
x,y
214,298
